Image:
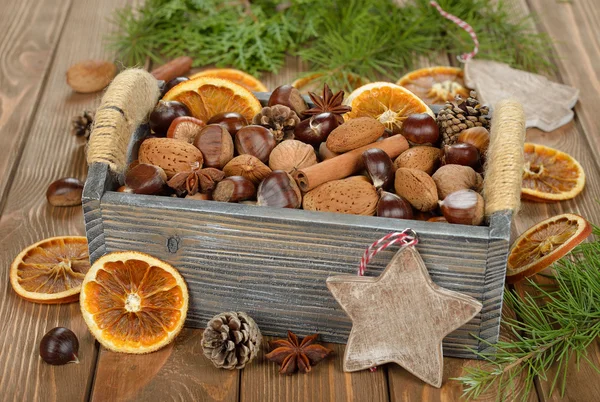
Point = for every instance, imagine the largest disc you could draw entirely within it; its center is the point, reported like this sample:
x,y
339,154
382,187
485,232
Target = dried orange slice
x,y
544,243
550,175
208,96
51,271
436,85
240,77
133,302
389,103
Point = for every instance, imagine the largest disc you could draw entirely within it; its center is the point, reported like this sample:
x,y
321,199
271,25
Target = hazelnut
x,y
292,155
479,137
216,145
417,187
379,167
234,189
392,206
451,178
461,154
65,192
279,190
256,141
247,166
465,207
424,158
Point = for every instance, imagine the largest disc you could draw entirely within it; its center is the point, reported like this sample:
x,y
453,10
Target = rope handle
x,y
126,104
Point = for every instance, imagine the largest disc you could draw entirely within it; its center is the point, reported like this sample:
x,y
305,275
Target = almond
x,y
173,156
354,134
91,75
417,187
354,195
423,158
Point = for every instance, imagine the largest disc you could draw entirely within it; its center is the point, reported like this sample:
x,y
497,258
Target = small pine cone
x,y
454,118
279,119
81,125
231,340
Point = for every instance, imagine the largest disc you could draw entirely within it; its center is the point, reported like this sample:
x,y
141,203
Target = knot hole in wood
x,y
173,244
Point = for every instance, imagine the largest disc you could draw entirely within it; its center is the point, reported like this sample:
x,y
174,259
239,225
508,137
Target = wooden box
x,y
272,263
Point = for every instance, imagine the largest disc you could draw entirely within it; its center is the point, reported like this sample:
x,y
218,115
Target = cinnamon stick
x,y
345,164
175,68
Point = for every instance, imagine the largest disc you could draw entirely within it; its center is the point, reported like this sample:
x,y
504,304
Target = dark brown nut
x,y
464,207
216,146
230,121
417,187
247,166
65,192
451,178
315,129
185,128
379,167
163,115
420,129
479,137
288,96
424,158
146,179
279,190
392,206
461,154
234,189
256,141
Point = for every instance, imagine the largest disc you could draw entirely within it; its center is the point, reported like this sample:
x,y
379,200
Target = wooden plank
x,y
50,153
177,372
30,32
261,381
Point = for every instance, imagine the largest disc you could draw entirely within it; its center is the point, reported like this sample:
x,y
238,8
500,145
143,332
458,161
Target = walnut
x,y
292,155
247,166
451,178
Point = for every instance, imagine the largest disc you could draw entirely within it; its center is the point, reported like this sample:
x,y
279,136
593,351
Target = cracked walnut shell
x,y
292,155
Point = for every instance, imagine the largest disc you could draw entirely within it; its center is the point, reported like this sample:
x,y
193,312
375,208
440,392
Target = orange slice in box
x,y
544,243
389,103
208,96
550,175
133,302
51,271
436,85
240,77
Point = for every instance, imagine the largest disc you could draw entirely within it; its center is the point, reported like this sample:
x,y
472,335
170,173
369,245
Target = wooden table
x,y
40,40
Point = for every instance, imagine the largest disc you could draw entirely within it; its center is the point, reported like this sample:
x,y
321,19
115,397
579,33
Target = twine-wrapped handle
x,y
504,166
125,105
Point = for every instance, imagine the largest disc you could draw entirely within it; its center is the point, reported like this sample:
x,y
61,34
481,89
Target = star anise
x,y
328,103
293,355
196,179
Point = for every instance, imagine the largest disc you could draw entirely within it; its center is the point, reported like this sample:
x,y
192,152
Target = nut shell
x,y
279,190
451,178
172,156
424,158
355,133
417,187
247,166
479,137
234,189
90,75
185,128
354,195
216,145
464,207
292,155
65,192
256,141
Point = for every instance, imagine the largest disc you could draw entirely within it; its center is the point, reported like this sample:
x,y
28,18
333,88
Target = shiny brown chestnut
x,y
279,190
170,84
289,96
461,154
255,140
65,192
420,129
163,115
234,189
465,207
315,129
231,121
146,179
379,167
393,206
59,346
216,145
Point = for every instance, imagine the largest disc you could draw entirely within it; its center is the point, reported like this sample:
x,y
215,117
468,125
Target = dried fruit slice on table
x,y
240,77
51,271
206,97
544,243
550,175
389,103
133,302
435,85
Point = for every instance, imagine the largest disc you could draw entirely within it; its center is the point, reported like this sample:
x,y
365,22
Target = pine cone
x,y
277,118
231,340
454,118
81,126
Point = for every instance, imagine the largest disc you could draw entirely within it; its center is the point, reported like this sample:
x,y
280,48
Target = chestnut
x,y
289,96
465,207
315,130
255,140
146,179
216,145
393,206
461,154
65,192
59,346
231,121
379,167
185,128
163,115
479,137
420,129
170,84
234,189
279,190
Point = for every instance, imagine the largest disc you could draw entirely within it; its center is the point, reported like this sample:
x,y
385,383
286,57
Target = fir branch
x,y
555,323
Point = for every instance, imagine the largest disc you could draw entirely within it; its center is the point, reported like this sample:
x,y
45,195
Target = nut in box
x,y
273,262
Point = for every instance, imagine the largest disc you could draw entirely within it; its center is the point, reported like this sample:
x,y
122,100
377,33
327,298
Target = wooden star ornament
x,y
400,317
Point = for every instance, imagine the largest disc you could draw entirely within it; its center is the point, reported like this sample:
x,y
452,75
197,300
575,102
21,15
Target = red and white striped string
x,y
468,28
